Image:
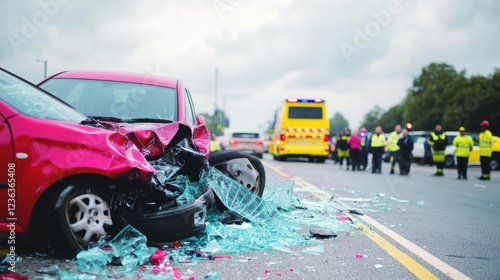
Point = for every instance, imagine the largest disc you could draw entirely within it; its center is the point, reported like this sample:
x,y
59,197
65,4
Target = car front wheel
x,y
84,216
243,167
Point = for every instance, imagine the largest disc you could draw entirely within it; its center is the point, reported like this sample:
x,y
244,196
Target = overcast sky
x,y
352,54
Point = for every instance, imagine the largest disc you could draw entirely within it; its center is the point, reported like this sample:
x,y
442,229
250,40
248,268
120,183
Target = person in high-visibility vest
x,y
438,142
392,146
377,146
485,142
464,144
214,144
343,148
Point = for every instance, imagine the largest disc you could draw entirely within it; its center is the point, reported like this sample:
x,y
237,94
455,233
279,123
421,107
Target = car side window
x,y
189,107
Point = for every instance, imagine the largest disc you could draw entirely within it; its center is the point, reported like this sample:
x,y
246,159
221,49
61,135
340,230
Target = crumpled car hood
x,y
152,139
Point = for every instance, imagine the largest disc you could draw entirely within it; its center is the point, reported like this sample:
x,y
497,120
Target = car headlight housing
x,y
199,218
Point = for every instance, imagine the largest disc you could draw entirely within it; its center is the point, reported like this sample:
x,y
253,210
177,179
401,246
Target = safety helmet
x,y
485,123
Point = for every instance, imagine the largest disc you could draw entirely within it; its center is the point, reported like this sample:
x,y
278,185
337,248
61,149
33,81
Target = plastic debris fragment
x,y
51,270
211,276
359,256
356,211
12,276
420,202
316,250
378,266
343,218
231,217
322,233
158,257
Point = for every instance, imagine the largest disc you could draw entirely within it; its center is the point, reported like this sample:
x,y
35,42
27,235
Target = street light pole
x,y
216,101
44,67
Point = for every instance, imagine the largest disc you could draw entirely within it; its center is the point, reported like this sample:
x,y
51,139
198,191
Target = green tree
x,y
427,99
441,95
392,117
337,123
475,99
372,118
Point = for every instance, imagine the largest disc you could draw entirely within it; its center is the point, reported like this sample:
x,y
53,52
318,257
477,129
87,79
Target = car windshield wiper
x,y
110,119
89,120
131,120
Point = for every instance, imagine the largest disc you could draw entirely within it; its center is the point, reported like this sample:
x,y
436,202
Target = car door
x,y
7,171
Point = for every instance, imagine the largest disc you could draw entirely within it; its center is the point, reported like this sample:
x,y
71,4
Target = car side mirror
x,y
200,120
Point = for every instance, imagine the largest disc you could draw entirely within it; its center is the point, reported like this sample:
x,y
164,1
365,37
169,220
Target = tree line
x,y
439,95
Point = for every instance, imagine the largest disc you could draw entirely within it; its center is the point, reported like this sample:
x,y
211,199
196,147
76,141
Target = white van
x,y
419,138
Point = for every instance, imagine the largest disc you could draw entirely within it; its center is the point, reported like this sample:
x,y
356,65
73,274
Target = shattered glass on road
x,y
264,228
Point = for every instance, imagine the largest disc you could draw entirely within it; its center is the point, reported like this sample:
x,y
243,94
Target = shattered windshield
x,y
30,101
121,100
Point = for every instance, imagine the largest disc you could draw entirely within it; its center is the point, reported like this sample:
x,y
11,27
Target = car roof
x,y
117,76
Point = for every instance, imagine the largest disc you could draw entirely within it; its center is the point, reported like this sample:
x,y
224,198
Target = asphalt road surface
x,y
413,227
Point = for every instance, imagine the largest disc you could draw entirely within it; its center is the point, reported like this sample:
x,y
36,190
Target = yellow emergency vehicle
x,y
301,129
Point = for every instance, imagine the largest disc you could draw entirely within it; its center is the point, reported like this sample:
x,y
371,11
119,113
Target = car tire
x,y
449,162
84,215
495,160
243,162
259,155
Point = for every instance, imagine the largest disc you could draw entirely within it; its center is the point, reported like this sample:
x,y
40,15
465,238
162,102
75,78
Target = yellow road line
x,y
426,256
412,265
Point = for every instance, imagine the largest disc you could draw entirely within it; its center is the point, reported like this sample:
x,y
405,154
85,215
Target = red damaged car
x,y
127,101
68,180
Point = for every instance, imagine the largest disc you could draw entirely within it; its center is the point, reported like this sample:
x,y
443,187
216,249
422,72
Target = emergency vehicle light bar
x,y
304,100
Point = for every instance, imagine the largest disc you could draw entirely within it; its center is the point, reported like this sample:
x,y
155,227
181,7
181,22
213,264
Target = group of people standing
x,y
464,144
354,147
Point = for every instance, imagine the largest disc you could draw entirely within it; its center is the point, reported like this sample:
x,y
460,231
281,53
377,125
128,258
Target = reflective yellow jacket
x,y
214,146
378,141
485,142
392,141
464,145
